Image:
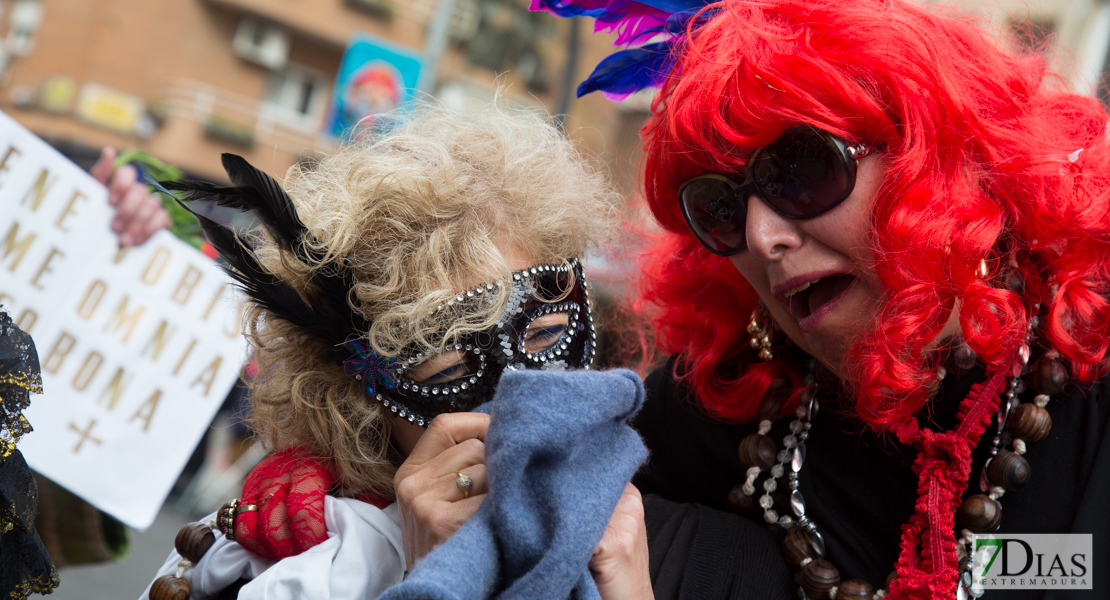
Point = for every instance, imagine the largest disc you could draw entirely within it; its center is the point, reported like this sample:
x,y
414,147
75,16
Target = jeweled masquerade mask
x,y
546,324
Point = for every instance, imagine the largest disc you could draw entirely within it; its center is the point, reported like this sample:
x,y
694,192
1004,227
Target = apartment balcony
x,y
200,120
334,22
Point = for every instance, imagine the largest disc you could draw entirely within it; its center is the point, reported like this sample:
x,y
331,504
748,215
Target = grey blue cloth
x,y
558,455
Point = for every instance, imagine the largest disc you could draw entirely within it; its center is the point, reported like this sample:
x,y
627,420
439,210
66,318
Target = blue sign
x,y
375,77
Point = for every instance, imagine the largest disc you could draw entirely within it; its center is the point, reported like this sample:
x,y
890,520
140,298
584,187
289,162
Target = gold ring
x,y
464,483
242,508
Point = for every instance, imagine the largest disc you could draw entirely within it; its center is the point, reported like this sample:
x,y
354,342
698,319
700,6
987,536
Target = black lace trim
x,y
26,567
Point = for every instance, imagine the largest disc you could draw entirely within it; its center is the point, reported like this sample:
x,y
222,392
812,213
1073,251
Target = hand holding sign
x,y
139,214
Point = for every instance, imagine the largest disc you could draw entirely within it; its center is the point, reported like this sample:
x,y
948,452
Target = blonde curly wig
x,y
423,206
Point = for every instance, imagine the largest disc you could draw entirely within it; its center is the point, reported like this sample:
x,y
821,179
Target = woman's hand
x,y
432,507
620,562
138,213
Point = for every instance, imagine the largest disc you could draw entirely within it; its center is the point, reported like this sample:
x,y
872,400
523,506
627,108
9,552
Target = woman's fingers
x,y
129,205
146,217
478,482
430,495
142,210
102,170
139,214
464,457
160,221
413,480
426,523
446,431
620,563
131,209
123,180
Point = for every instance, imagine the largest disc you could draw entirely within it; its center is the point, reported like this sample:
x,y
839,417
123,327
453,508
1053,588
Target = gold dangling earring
x,y
761,328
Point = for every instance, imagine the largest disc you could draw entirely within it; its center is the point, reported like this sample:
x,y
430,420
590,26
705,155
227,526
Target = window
x,y
261,44
465,17
514,39
383,9
295,96
26,16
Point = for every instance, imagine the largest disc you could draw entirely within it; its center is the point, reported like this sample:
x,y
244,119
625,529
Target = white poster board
x,y
138,347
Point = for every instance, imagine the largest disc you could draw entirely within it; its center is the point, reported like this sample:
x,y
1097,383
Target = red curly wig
x,y
981,147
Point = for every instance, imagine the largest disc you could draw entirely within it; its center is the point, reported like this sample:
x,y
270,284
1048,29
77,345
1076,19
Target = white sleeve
x,y
224,564
362,557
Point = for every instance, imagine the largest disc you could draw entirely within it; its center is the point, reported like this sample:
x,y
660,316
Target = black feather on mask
x,y
321,308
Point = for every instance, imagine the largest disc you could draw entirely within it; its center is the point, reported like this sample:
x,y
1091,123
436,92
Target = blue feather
x,y
676,6
676,23
629,71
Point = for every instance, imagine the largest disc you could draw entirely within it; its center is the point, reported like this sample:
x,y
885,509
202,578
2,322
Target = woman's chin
x,y
832,335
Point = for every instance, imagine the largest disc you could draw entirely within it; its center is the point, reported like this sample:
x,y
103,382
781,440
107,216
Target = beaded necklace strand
x,y
1005,471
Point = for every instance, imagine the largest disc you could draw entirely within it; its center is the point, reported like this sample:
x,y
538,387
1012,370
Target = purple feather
x,y
631,28
596,8
634,21
631,32
591,8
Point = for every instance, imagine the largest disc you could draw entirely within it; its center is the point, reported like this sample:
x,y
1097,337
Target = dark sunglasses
x,y
805,173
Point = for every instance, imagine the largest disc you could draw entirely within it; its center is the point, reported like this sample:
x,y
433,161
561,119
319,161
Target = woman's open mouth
x,y
810,303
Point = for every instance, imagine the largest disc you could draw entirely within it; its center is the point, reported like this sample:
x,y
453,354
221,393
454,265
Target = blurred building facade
x,y
188,79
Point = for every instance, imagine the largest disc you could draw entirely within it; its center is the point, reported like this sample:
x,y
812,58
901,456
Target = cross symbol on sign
x,y
85,435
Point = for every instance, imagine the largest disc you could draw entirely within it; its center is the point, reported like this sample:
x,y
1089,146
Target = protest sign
x,y
138,347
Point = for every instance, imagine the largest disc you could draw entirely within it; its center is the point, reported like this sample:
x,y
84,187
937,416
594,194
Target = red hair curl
x,y
982,166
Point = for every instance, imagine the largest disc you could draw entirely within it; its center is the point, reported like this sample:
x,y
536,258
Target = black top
x,y
697,552
859,487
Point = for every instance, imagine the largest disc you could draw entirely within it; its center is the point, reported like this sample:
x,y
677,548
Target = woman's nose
x,y
769,234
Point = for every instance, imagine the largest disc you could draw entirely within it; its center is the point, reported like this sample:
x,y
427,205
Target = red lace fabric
x,y
927,565
289,488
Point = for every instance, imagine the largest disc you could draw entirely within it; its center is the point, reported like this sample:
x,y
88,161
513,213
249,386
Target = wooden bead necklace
x,y
1019,424
803,546
192,542
1007,470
